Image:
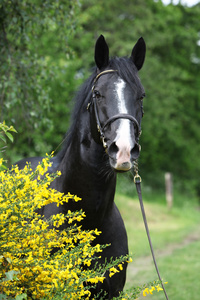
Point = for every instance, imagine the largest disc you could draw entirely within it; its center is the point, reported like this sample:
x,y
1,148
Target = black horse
x,y
103,139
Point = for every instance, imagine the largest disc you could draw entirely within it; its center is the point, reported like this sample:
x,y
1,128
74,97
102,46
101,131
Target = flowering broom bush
x,y
27,265
29,268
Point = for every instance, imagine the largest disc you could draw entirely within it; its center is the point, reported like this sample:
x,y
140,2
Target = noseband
x,y
100,128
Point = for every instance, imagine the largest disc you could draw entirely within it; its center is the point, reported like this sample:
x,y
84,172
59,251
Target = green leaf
x,y
11,275
8,259
21,297
3,167
2,137
12,129
2,297
9,135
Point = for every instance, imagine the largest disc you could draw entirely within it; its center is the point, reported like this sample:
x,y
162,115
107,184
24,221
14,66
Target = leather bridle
x,y
101,129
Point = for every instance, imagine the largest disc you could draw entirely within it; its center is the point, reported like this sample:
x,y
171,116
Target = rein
x,y
100,128
137,180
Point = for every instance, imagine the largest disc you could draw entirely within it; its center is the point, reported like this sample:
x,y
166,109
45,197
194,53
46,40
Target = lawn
x,y
176,239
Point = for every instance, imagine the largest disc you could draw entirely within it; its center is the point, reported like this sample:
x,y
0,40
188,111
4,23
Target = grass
x,y
180,269
175,236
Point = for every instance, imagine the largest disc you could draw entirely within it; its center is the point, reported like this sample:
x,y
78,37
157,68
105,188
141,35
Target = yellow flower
x,y
113,270
130,260
150,290
145,291
87,262
96,279
158,288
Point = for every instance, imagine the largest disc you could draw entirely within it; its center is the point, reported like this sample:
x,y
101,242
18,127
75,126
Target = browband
x,y
102,73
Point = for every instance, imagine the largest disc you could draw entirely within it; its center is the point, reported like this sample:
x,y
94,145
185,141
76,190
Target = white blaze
x,y
123,137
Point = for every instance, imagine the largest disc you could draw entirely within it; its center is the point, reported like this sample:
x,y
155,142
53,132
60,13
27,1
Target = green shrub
x,y
27,265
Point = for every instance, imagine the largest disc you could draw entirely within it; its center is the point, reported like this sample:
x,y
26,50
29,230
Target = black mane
x,y
126,70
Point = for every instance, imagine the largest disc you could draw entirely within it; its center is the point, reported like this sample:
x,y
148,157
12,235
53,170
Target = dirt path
x,y
146,262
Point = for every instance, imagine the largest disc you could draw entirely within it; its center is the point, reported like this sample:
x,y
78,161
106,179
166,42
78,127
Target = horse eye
x,y
97,94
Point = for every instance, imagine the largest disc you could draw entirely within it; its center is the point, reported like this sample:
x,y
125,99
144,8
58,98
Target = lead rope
x,y
137,181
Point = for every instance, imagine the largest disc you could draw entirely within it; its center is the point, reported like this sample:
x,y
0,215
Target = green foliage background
x,y
47,52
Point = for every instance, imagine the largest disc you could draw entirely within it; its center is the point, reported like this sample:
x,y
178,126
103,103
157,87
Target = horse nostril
x,y
113,149
126,164
135,152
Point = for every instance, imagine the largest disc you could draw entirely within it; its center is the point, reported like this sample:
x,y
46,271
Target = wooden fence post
x,y
169,189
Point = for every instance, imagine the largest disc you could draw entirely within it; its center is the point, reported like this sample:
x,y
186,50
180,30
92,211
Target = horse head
x,y
116,105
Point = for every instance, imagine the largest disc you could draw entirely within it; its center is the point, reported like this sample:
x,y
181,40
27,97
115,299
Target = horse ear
x,y
138,53
101,53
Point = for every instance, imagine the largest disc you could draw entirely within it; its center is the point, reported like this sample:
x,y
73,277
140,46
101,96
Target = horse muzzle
x,y
122,155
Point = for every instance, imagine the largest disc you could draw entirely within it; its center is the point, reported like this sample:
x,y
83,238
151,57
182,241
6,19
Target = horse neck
x,y
86,173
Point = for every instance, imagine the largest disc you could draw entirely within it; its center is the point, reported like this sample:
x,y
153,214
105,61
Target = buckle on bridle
x,y
88,106
137,178
104,143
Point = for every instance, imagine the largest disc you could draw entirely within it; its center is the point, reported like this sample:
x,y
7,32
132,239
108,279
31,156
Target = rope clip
x,y
137,178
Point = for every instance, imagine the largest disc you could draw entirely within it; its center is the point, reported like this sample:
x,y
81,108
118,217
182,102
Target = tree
x,y
30,31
